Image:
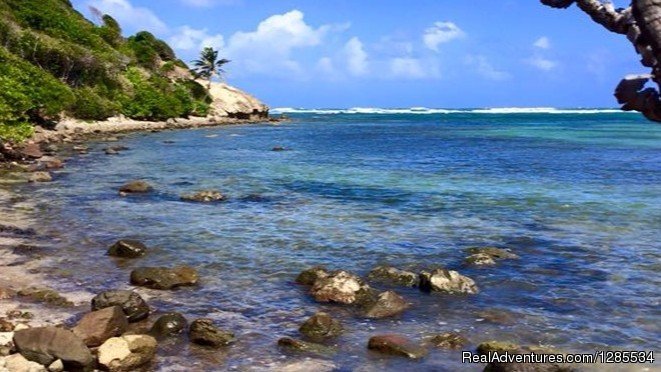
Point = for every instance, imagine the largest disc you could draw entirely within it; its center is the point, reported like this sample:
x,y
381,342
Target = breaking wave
x,y
427,111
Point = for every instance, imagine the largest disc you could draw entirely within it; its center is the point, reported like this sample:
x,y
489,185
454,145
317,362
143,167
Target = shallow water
x,y
578,197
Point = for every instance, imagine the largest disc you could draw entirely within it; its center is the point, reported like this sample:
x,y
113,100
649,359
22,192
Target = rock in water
x,y
309,276
98,326
449,281
479,259
45,345
493,252
127,248
449,340
163,277
135,187
384,305
389,274
169,324
306,347
133,306
40,177
321,326
341,287
204,332
207,196
126,353
396,345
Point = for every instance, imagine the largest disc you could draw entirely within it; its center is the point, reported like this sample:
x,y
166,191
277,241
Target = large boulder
x,y
98,326
164,277
309,276
127,248
204,332
396,345
126,353
169,324
133,306
448,281
384,305
392,275
45,345
321,326
340,287
228,101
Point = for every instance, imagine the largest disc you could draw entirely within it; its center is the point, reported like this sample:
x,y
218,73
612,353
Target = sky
x,y
393,53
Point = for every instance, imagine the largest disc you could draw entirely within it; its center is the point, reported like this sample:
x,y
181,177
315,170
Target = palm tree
x,y
208,65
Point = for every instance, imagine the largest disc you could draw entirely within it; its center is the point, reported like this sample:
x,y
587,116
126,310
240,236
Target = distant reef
x,y
55,65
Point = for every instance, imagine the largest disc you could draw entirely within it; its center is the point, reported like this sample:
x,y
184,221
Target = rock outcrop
x,y
228,101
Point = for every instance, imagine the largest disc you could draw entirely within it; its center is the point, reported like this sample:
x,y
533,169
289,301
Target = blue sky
x,y
391,53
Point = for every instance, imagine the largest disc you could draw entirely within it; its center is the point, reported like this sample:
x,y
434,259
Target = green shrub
x,y
91,106
15,131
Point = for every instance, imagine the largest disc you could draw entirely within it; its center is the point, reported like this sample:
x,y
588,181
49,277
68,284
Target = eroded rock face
x,y
309,276
392,275
207,196
448,281
45,345
396,345
231,102
164,277
98,326
133,306
204,332
169,324
340,287
321,326
135,187
126,353
384,305
127,248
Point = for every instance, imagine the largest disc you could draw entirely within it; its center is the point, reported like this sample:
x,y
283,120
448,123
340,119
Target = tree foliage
x,y
209,65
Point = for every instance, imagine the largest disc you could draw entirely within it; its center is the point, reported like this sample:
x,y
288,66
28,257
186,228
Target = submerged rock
x,y
164,277
341,287
204,332
133,306
98,326
45,295
135,187
309,276
40,177
389,274
321,326
169,324
127,248
449,281
278,148
479,259
493,252
384,305
497,346
449,340
126,353
396,345
206,196
45,345
305,347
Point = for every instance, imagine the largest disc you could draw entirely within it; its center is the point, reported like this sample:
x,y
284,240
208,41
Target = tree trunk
x,y
641,23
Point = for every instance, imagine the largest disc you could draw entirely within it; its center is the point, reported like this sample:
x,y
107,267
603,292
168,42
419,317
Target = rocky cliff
x,y
228,101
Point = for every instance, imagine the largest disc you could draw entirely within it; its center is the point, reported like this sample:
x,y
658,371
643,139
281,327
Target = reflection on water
x,y
577,197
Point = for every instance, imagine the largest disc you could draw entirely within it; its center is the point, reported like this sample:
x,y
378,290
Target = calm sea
x,y
575,193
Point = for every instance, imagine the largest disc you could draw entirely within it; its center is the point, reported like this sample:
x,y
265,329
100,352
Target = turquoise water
x,y
577,196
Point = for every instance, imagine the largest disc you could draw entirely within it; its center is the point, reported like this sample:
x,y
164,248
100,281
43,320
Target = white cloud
x,y
268,49
129,15
356,57
542,63
326,66
542,43
441,32
413,68
188,38
486,69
